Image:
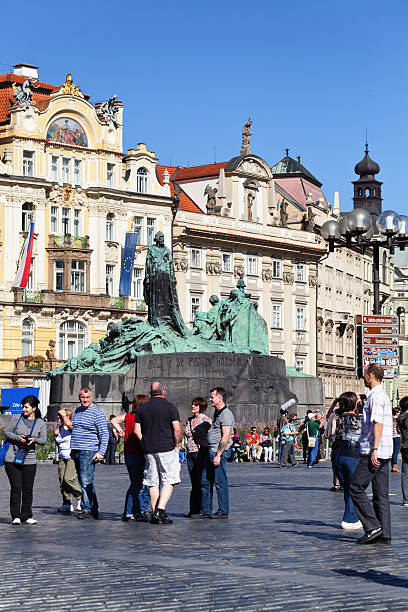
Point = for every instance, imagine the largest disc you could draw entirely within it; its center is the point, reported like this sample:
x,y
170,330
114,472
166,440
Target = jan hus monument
x,y
228,346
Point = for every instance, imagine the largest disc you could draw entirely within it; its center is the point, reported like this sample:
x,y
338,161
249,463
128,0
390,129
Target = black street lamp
x,y
356,229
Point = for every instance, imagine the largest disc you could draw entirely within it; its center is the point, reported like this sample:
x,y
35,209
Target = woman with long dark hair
x,y
137,500
196,430
348,452
23,433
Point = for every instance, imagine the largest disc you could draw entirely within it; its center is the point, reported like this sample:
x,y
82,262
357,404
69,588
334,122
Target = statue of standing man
x,y
159,289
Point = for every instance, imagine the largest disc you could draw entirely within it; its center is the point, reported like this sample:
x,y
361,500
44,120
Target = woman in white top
x,y
66,467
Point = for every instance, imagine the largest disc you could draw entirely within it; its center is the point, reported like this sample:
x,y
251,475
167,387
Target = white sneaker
x,y
31,521
404,504
65,508
79,507
16,521
356,525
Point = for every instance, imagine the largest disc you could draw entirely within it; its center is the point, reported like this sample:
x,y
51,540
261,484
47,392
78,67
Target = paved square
x,y
281,549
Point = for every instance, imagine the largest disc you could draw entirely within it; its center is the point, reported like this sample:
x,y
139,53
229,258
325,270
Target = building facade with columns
x,y
62,167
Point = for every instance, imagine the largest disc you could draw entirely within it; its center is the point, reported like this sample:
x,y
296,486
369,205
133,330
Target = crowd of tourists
x,y
364,433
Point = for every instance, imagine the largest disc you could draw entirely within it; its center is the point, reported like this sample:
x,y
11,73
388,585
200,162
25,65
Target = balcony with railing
x,y
35,297
74,299
68,241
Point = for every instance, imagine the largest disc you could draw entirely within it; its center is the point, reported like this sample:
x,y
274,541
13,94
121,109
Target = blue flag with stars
x,y
127,263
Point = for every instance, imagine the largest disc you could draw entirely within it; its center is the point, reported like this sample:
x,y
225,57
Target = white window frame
x,y
66,220
71,339
300,318
110,175
66,170
78,276
59,274
54,168
27,216
277,316
137,225
77,172
28,163
27,337
300,273
142,180
54,219
252,265
110,227
195,305
150,229
196,259
137,284
110,279
227,257
277,268
77,222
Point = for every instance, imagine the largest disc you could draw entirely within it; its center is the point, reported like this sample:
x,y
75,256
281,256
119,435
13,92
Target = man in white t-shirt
x,y
375,453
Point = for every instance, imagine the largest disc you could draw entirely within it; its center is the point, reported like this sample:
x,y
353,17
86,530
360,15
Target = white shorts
x,y
161,469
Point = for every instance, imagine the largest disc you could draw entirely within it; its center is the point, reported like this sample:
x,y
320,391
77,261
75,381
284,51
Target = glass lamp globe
x,y
343,227
359,221
368,234
404,225
389,222
330,230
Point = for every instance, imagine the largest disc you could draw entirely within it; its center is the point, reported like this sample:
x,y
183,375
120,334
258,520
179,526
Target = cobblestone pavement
x,y
282,548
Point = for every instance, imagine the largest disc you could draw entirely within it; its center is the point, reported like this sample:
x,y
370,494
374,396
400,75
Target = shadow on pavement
x,y
375,576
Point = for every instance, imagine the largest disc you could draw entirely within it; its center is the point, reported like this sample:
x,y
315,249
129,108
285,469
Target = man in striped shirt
x,y
375,453
89,441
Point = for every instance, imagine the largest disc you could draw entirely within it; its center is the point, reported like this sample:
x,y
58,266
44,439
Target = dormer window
x,y
141,180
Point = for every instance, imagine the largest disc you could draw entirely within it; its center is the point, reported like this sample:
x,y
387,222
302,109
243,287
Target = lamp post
x,y
356,229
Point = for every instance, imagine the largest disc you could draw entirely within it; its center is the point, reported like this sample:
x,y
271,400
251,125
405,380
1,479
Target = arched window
x,y
359,192
27,216
141,180
71,339
367,192
374,191
384,268
27,340
109,226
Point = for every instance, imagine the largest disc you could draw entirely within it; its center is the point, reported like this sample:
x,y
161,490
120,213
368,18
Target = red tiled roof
x,y
193,172
186,203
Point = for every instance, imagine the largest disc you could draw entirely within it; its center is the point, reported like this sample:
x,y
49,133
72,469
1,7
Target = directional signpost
x,y
377,342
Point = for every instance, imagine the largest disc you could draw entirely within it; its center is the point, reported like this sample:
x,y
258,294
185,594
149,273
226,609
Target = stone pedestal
x,y
256,384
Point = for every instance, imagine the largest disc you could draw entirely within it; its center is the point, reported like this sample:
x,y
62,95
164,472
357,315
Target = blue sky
x,y
312,76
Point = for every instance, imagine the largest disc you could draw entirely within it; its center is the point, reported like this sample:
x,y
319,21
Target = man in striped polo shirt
x,y
89,441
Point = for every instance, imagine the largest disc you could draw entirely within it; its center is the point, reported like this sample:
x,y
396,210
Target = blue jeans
x,y
236,452
345,468
396,444
137,497
85,468
280,449
313,451
215,476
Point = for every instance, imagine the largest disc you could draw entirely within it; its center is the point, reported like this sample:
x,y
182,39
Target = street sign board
x,y
378,342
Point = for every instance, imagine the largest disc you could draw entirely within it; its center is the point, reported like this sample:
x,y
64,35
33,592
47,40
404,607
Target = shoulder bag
x,y
5,446
20,455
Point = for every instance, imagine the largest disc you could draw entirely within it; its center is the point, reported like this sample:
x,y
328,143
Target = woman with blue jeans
x,y
348,453
314,425
137,500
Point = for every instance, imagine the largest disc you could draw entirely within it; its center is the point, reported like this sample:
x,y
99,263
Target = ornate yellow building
x,y
62,167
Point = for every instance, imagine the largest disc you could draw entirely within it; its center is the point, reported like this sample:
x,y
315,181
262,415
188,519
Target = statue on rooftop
x,y
23,94
109,111
246,138
211,193
283,215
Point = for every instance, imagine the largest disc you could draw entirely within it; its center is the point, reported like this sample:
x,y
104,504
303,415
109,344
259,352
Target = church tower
x,y
367,190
